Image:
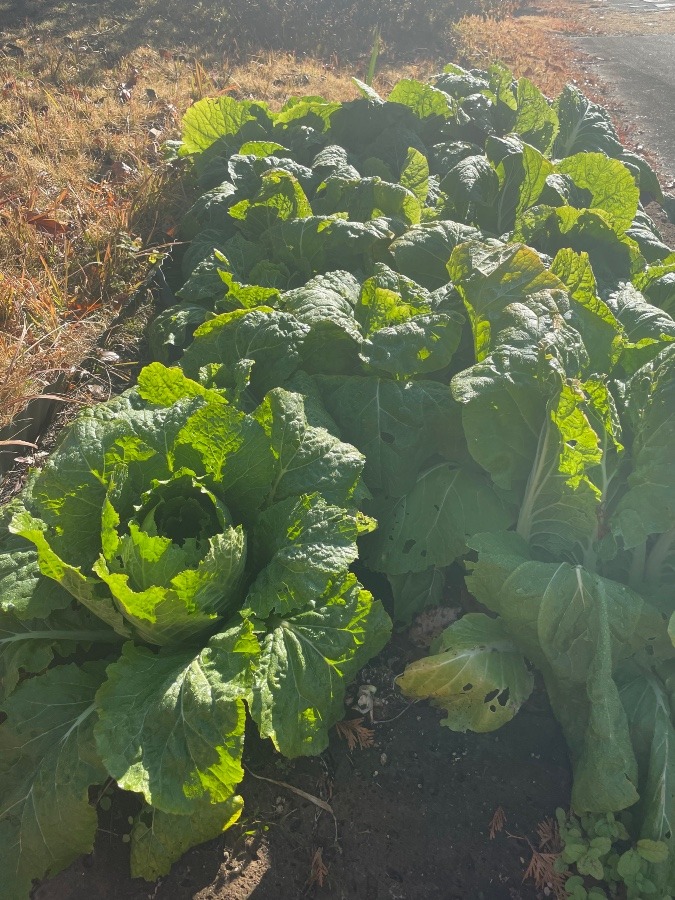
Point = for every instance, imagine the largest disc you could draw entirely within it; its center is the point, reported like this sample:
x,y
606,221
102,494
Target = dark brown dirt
x,y
412,816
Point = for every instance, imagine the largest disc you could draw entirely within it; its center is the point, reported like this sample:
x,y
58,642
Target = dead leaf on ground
x,y
44,222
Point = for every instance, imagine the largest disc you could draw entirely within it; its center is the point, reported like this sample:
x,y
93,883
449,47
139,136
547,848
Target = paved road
x,y
640,73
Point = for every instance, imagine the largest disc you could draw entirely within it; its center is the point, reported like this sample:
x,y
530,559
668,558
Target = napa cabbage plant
x,y
447,310
180,562
463,282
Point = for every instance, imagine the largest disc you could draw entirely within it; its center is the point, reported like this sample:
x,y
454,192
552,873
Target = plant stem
x,y
658,555
637,567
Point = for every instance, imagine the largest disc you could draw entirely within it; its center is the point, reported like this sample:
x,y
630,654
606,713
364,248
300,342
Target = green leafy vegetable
x,y
445,311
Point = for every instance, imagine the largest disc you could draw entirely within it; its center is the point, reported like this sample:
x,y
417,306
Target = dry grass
x,y
82,209
532,46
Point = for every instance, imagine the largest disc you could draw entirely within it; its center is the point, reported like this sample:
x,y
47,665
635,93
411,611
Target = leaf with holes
x,y
475,673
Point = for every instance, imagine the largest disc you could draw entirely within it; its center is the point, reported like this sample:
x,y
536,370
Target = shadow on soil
x,y
117,27
412,817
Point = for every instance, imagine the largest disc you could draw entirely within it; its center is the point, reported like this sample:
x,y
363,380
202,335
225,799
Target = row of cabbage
x,y
438,325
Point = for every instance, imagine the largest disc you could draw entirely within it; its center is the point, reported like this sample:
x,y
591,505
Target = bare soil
x,y
412,816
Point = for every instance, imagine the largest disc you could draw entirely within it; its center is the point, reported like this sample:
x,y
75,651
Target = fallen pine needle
x,y
497,822
355,733
318,869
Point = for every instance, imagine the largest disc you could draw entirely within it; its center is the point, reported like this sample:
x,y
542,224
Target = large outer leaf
x,y
398,426
326,305
609,183
272,339
595,320
614,256
536,120
420,346
522,176
647,328
159,839
48,763
575,626
298,108
560,505
164,386
490,279
279,198
423,252
475,673
647,698
459,82
83,587
211,120
526,419
471,181
414,592
657,282
504,87
649,505
308,659
209,211
423,99
647,236
171,725
29,645
306,458
330,296
362,199
231,448
324,243
430,524
502,413
415,174
24,591
583,126
300,546
382,304
645,176
172,329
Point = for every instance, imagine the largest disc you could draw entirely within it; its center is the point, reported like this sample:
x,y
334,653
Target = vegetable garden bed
x,y
432,333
